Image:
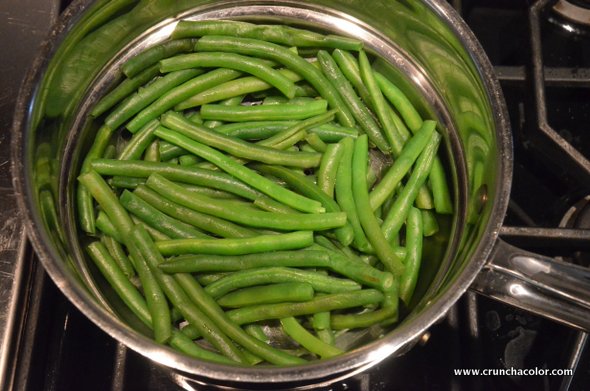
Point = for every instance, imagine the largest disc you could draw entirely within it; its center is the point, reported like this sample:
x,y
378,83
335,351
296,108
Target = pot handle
x,y
542,285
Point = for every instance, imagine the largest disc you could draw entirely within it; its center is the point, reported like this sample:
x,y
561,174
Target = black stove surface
x,y
60,349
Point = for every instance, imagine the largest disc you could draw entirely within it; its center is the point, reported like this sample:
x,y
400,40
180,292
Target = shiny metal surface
x,y
436,59
545,286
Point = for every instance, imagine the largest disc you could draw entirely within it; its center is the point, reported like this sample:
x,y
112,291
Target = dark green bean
x,y
108,201
238,62
237,246
154,233
329,302
349,66
83,197
212,310
175,293
136,102
267,294
119,281
243,173
401,206
237,147
287,58
201,221
116,251
139,142
104,225
307,340
368,220
158,220
364,320
440,188
126,182
123,90
273,275
401,166
272,33
179,94
360,112
156,53
414,233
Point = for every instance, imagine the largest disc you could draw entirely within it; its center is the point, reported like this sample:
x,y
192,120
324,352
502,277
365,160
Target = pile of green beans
x,y
230,188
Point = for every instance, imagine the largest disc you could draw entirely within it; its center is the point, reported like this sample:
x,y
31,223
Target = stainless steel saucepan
x,y
426,49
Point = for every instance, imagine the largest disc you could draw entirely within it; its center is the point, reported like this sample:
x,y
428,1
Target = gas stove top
x,y
541,53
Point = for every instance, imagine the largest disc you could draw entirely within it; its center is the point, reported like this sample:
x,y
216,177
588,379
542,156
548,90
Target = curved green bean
x,y
287,58
251,65
156,53
414,234
273,275
135,148
116,251
400,101
237,147
328,168
307,340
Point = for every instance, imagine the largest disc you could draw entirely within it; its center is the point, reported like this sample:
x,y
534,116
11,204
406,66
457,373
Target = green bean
x,y
402,129
309,189
272,33
273,275
267,294
123,90
237,147
357,271
144,97
284,56
83,196
108,201
401,206
119,281
156,53
364,320
201,221
182,343
329,302
279,112
440,188
238,62
244,215
139,142
316,142
360,112
116,251
179,94
211,309
328,167
233,101
270,205
321,324
344,195
192,175
379,105
300,126
158,220
401,166
209,278
156,234
400,101
349,66
307,340
367,219
126,182
104,225
429,223
175,293
257,332
152,153
242,173
169,151
237,246
188,160
414,233
239,87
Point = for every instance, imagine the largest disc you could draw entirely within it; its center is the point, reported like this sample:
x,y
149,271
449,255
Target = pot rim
x,y
361,358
